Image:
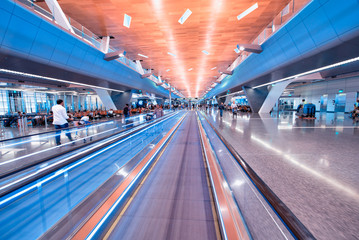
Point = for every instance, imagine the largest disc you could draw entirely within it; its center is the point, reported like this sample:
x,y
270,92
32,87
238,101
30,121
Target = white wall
x,y
313,92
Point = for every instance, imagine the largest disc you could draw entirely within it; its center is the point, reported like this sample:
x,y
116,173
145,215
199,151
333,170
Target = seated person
x,y
110,113
84,120
103,113
355,112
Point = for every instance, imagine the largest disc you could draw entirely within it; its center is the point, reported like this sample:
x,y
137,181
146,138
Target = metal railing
x,y
293,7
79,30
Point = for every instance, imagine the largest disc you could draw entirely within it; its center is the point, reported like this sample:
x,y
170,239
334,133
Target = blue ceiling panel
x,y
62,52
7,5
44,44
343,15
76,57
26,15
20,41
4,22
301,38
319,28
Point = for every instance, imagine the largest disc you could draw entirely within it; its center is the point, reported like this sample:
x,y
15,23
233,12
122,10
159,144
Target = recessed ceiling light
x,y
184,17
213,68
248,11
171,54
142,55
127,21
168,70
190,69
236,50
205,52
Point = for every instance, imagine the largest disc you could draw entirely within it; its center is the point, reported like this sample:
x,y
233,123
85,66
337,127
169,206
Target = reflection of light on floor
x,y
238,183
340,128
239,130
324,162
267,145
321,176
285,126
122,173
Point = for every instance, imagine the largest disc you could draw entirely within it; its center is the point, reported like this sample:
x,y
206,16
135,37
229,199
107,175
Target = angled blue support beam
x,y
256,97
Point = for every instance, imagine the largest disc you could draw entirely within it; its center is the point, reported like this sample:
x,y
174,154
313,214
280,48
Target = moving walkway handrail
x,y
97,226
58,165
232,224
53,131
288,217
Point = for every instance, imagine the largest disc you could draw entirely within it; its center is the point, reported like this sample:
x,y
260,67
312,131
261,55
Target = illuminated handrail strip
x,y
52,168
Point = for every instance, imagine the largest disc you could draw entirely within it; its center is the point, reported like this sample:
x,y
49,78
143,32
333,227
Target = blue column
x,y
65,102
72,103
8,102
85,102
23,102
36,108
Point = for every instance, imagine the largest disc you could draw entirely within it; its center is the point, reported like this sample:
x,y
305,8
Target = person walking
x,y
221,108
126,111
60,120
158,112
234,108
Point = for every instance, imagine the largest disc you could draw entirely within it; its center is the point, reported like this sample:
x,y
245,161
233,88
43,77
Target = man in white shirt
x,y
60,120
234,108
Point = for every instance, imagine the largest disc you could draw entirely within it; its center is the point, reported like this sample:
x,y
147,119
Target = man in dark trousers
x,y
221,108
60,120
126,111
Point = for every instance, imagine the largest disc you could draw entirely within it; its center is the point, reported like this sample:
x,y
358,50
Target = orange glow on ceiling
x,y
155,31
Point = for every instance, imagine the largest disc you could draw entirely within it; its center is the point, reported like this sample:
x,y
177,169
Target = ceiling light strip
x,y
311,71
248,11
184,17
127,21
54,79
172,54
142,55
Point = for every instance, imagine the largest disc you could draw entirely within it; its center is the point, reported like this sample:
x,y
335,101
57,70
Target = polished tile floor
x,y
312,165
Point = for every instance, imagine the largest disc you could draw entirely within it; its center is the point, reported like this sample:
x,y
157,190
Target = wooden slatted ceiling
x,y
154,31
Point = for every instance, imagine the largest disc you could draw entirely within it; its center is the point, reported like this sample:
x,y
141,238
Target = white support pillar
x,y
277,90
139,67
273,96
59,15
106,99
169,90
105,44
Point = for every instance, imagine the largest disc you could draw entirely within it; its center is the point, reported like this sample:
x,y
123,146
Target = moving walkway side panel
x,y
173,201
260,218
231,221
59,160
30,211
